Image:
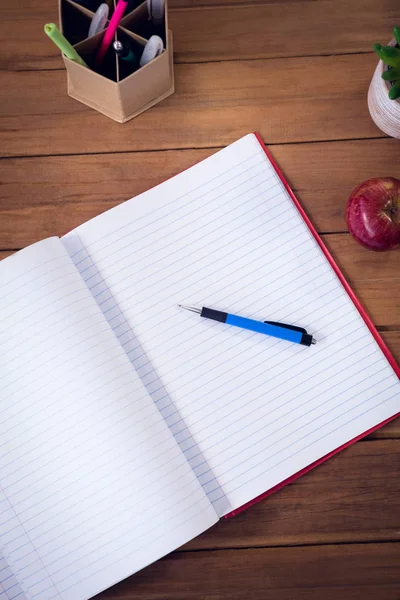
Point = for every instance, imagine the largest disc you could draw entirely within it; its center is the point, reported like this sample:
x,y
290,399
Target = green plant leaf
x,y
396,31
389,55
391,74
395,91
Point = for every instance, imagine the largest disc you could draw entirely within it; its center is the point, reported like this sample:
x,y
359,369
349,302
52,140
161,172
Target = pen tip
x,y
180,305
313,341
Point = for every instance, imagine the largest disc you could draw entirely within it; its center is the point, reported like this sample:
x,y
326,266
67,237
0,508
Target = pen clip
x,y
293,327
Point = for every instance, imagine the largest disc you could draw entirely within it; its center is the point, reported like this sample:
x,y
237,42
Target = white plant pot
x,y
384,112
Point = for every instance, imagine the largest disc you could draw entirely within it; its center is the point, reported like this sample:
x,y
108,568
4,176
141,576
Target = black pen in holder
x,y
128,55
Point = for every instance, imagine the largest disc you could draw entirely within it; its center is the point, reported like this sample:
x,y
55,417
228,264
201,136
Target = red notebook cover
x,y
362,312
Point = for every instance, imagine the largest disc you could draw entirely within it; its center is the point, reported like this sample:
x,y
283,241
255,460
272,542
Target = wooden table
x,y
298,72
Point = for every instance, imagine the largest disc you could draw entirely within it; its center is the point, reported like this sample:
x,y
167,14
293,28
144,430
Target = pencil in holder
x,y
120,89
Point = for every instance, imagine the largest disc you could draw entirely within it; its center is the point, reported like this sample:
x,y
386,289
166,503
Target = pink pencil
x,y
110,31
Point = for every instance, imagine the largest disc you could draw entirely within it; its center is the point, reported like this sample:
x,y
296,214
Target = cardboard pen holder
x,y
114,89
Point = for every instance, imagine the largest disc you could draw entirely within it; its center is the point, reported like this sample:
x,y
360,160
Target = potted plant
x,y
384,90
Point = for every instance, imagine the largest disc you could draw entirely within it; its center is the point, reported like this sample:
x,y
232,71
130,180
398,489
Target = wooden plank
x,y
317,99
190,4
392,429
50,196
280,29
201,4
392,339
324,174
389,431
359,264
373,276
380,299
44,196
23,20
220,30
350,498
348,572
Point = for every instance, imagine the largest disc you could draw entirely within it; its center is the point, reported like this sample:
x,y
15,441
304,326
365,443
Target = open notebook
x,y
129,426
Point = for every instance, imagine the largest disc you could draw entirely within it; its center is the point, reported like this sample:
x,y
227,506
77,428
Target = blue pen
x,y
290,333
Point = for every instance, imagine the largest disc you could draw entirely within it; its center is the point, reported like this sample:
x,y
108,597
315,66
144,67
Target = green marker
x,y
57,37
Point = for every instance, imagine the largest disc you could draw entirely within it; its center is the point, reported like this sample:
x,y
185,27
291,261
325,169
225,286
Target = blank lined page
x,y
226,235
93,485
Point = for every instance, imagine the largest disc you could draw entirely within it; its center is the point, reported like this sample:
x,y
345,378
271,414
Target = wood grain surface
x,y
225,30
345,572
297,71
286,100
344,500
62,192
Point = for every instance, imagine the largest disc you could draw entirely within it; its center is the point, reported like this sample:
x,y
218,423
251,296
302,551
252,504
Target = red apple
x,y
373,213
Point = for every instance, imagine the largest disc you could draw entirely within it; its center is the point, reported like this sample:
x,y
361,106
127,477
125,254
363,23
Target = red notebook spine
x,y
364,315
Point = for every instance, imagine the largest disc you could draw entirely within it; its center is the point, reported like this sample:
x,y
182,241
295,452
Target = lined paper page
x,y
93,485
225,234
131,345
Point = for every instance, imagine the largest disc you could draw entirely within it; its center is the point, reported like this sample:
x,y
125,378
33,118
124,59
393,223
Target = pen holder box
x,y
114,89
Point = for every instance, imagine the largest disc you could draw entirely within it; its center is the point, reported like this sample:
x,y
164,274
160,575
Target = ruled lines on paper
x,y
138,358
225,234
10,587
93,484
